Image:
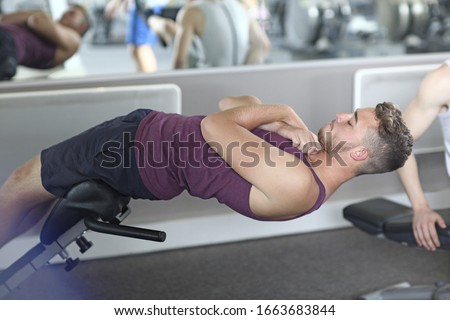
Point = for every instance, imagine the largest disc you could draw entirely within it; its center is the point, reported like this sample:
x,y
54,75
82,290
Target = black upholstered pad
x,y
91,197
371,215
392,220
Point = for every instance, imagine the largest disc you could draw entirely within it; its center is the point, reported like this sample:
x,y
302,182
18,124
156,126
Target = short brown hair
x,y
390,144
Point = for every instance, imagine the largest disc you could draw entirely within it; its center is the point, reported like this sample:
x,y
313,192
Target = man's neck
x,y
332,170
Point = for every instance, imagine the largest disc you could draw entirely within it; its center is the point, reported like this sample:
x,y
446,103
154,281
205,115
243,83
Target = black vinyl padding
x,y
371,215
386,218
89,198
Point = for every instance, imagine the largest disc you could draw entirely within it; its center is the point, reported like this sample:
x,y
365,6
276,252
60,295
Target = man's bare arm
x,y
297,132
280,190
19,17
66,40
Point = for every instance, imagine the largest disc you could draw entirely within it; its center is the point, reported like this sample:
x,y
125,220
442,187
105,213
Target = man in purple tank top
x,y
260,160
33,39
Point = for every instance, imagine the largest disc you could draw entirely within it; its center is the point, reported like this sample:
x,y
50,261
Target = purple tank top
x,y
172,157
31,50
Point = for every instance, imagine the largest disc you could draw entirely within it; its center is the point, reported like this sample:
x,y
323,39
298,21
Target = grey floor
x,y
115,59
340,264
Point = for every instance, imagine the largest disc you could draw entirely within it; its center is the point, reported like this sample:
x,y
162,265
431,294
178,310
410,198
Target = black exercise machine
x,y
90,205
393,221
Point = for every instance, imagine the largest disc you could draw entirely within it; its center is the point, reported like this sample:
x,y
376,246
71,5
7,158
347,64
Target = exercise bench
x,y
90,205
389,220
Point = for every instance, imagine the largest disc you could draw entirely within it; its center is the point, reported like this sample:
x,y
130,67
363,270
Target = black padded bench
x,y
387,219
90,205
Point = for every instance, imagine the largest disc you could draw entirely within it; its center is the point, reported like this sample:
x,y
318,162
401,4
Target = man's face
x,y
73,18
347,128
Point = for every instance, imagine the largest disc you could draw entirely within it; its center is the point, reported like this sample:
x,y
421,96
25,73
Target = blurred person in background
x,y
140,38
33,39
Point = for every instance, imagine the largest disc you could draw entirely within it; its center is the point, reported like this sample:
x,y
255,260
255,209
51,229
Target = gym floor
x,y
340,264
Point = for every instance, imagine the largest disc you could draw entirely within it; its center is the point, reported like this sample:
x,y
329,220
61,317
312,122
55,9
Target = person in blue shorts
x,y
140,38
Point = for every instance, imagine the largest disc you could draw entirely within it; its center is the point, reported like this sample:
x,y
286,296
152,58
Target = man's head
x,y
76,18
376,138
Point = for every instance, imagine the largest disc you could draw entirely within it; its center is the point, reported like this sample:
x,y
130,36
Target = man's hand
x,y
424,228
301,138
292,127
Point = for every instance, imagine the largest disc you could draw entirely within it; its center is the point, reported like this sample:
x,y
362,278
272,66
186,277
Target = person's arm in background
x,y
259,46
433,96
113,6
259,42
189,22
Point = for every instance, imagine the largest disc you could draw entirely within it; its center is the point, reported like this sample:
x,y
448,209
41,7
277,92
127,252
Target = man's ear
x,y
359,154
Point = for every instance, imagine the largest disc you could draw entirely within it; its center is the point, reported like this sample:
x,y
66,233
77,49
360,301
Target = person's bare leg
x,y
23,200
163,27
145,58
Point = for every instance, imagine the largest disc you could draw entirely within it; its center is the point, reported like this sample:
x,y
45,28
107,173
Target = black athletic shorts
x,y
104,152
